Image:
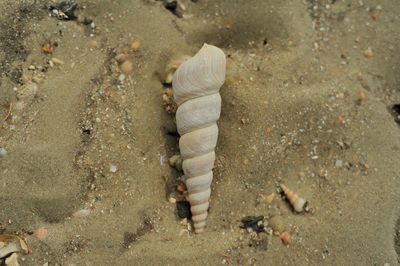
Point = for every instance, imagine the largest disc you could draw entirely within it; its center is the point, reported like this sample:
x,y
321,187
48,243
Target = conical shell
x,y
196,85
299,204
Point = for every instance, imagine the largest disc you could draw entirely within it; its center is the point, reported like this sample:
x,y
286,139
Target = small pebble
x,y
270,197
3,153
81,213
93,44
113,168
47,47
41,233
375,14
172,200
121,58
121,77
368,53
127,67
285,237
135,45
183,208
176,162
181,187
338,163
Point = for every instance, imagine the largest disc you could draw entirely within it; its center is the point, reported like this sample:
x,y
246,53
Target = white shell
x,y
196,85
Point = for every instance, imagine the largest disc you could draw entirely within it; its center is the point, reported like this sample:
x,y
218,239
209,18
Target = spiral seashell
x,y
298,203
196,85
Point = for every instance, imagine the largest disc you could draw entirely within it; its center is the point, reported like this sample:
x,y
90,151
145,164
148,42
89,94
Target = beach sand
x,y
307,102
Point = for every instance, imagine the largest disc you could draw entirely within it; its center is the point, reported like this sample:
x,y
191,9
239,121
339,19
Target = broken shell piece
x,y
9,248
12,260
298,203
57,61
11,244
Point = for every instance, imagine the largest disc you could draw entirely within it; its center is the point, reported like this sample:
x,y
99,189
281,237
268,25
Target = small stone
x,y
93,44
113,168
127,67
270,197
135,45
171,4
47,47
339,163
285,237
375,14
183,208
176,162
172,200
368,53
3,153
181,187
169,92
41,233
121,58
81,213
31,67
121,77
361,97
184,222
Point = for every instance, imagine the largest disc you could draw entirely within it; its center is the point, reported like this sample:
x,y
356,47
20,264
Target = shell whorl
x,y
196,85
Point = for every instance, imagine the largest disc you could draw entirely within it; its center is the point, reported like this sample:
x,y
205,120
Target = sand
x,y
304,104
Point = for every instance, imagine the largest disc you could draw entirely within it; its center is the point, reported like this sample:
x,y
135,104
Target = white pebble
x,y
113,168
3,153
121,77
81,213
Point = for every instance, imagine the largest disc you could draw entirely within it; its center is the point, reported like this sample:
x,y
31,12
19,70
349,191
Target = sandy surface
x,y
303,104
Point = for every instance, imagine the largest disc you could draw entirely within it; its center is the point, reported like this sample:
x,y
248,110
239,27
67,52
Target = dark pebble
x,y
183,208
171,5
253,223
396,112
